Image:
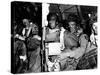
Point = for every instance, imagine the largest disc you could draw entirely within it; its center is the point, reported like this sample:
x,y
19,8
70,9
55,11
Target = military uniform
x,y
74,48
54,45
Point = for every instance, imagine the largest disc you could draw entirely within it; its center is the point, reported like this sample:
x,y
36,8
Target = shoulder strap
x,y
62,31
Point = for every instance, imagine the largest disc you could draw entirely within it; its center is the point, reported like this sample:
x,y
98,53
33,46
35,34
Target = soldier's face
x,y
72,26
79,31
95,27
52,24
35,29
26,23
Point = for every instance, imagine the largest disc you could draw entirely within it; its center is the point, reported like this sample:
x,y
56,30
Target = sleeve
x,y
70,40
83,40
78,52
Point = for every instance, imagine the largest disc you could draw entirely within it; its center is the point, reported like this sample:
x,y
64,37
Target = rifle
x,y
44,52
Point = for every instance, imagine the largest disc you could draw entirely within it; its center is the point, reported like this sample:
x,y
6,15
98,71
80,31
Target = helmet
x,y
52,16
